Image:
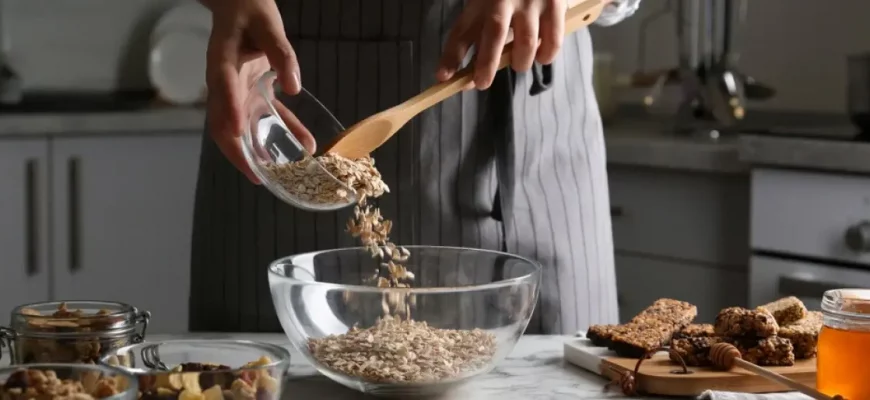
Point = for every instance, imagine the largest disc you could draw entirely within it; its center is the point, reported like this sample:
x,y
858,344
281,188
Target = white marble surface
x,y
533,371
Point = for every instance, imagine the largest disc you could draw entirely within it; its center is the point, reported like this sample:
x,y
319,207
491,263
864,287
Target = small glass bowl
x,y
89,374
328,293
276,122
250,369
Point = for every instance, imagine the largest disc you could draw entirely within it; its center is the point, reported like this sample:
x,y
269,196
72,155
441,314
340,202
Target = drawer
x,y
641,281
683,215
808,213
773,278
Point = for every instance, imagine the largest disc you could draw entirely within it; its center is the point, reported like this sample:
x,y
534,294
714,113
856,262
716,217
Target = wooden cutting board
x,y
655,375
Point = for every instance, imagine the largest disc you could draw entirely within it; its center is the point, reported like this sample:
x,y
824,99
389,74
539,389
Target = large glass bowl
x,y
95,379
236,369
275,123
329,292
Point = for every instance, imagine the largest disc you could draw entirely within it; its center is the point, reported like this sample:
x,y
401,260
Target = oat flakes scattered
x,y
304,179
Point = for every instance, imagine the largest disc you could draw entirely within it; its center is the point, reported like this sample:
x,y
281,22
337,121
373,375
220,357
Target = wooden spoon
x,y
369,134
725,356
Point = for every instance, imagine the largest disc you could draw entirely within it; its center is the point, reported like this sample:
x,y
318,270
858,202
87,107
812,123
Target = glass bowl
x,y
235,369
465,312
99,381
277,124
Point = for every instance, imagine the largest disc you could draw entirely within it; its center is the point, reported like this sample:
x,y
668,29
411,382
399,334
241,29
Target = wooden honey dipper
x,y
725,356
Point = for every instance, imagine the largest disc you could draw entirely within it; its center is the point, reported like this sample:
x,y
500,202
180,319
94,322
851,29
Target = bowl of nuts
x,y
204,369
279,144
404,321
66,381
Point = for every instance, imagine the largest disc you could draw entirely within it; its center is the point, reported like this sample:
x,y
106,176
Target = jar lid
x,y
75,318
848,303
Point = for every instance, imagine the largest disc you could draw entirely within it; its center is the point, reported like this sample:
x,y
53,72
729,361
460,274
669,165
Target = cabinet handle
x,y
801,287
30,228
73,213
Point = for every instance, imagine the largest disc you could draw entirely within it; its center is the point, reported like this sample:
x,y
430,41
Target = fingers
x,y
458,42
299,131
491,44
552,31
525,24
267,34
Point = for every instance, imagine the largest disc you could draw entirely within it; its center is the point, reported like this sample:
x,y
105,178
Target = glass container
x,y
100,382
844,344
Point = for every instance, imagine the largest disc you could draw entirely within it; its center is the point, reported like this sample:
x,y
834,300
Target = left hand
x,y
538,30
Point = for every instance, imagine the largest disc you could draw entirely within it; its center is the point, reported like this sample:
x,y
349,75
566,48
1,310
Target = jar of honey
x,y
844,344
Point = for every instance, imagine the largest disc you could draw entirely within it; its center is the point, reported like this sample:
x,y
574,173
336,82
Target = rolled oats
x,y
395,350
306,181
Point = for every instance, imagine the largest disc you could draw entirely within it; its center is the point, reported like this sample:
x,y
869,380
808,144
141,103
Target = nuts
x,y
26,384
186,382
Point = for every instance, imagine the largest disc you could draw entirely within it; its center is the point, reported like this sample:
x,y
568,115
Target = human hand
x,y
538,30
247,38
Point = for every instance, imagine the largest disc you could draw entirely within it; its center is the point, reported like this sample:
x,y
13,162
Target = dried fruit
x,y
27,384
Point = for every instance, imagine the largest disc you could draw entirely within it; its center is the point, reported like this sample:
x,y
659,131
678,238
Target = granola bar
x,y
638,340
600,335
804,334
786,310
741,322
695,331
694,351
772,351
669,311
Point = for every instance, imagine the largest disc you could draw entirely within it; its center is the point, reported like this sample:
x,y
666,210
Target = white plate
x,y
177,66
188,14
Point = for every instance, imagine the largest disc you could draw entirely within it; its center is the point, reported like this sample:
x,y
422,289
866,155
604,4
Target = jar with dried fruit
x,y
844,344
72,331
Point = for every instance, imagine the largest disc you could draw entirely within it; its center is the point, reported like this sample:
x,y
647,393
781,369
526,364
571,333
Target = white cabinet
x,y
24,224
123,209
772,278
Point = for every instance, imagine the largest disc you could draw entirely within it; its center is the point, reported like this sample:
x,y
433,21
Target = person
x,y
517,165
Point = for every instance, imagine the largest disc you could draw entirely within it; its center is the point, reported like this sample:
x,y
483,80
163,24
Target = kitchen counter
x,y
823,155
156,120
534,370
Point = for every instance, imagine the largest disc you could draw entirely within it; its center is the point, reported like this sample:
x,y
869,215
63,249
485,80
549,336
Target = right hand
x,y
247,38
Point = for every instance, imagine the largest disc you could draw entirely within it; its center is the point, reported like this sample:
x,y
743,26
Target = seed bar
x,y
804,335
669,311
786,310
741,322
695,331
638,340
695,351
772,351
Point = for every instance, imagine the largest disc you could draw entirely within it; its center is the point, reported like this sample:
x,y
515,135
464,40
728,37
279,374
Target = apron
x,y
519,168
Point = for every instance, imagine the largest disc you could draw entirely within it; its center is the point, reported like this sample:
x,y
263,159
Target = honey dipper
x,y
725,356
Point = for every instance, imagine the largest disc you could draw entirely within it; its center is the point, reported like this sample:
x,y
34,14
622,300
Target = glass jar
x,y
72,331
844,344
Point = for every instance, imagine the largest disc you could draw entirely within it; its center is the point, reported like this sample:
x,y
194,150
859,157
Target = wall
x,y
80,44
797,46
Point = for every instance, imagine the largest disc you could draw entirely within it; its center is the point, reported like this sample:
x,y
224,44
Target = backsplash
x,y
797,46
80,45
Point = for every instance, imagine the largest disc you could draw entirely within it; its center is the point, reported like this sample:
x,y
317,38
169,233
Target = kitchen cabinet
x,y
682,235
24,220
123,209
643,280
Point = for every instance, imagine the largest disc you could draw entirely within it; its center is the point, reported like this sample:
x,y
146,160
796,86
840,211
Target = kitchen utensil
x,y
274,119
80,373
327,293
176,65
725,356
153,363
725,91
369,134
656,375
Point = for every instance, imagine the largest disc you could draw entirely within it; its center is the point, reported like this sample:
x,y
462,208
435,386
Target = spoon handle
x,y
815,394
576,17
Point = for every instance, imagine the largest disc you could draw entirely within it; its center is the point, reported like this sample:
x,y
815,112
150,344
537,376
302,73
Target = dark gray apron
x,y
519,168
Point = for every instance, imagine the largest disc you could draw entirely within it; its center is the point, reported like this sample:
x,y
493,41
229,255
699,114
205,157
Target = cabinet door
x,y
773,278
641,281
123,216
23,223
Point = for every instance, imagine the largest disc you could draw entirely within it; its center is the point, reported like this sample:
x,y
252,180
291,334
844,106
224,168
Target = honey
x,y
842,366
844,345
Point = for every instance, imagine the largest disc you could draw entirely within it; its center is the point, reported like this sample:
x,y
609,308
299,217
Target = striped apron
x,y
519,168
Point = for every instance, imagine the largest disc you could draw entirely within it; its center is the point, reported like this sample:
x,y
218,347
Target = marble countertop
x,y
534,370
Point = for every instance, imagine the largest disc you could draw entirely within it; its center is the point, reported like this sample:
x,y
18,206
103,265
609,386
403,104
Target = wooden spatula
x,y
369,134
